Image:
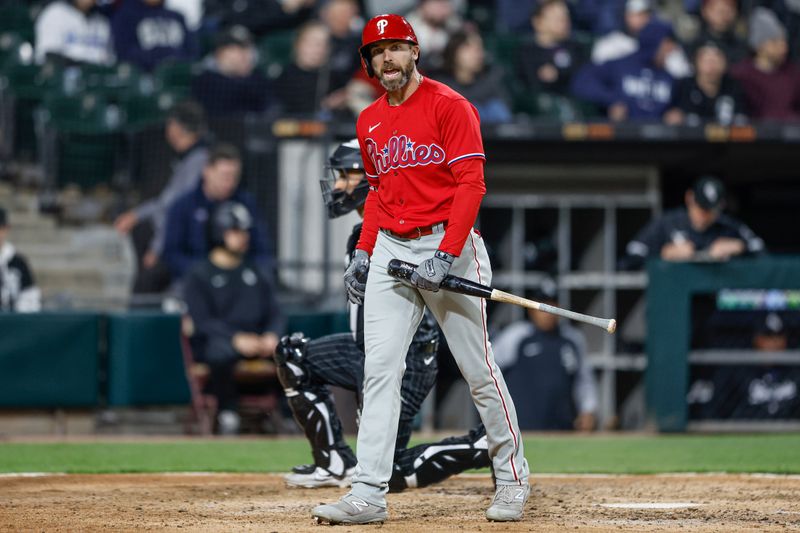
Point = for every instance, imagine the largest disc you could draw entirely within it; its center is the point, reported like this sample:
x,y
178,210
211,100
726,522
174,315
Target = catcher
x,y
306,368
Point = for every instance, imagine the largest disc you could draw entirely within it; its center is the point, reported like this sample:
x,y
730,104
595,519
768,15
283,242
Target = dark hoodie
x,y
634,80
145,35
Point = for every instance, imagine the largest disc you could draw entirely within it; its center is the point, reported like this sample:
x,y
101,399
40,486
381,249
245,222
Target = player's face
x,y
700,219
347,180
237,241
393,62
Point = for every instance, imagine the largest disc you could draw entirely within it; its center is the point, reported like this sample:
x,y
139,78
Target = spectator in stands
x,y
434,21
192,11
232,308
230,83
74,30
623,42
771,83
373,8
600,17
513,15
261,16
304,86
466,72
146,33
700,231
548,62
18,290
185,132
185,238
544,361
718,21
341,19
788,12
635,87
710,95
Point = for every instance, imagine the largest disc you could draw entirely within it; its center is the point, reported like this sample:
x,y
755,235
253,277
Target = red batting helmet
x,y
383,28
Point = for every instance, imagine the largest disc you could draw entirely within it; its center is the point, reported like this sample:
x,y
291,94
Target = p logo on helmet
x,y
384,28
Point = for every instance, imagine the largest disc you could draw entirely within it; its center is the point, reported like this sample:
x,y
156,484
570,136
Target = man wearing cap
x,y
545,361
635,87
423,157
229,83
18,291
698,231
771,83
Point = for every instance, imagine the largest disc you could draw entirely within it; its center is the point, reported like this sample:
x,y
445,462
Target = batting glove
x,y
355,277
430,273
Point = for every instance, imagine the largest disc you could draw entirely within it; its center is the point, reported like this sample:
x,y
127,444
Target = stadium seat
x,y
80,138
176,76
144,110
22,89
15,17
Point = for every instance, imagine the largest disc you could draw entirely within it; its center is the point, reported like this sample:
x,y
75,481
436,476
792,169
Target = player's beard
x,y
405,75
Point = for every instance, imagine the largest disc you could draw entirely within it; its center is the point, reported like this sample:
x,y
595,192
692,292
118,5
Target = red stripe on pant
x,y
489,364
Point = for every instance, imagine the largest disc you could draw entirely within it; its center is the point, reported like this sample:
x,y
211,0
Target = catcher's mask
x,y
344,167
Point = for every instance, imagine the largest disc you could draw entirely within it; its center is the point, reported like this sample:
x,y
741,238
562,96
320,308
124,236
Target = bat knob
x,y
612,326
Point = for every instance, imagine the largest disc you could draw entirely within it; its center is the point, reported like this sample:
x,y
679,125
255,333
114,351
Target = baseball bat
x,y
402,270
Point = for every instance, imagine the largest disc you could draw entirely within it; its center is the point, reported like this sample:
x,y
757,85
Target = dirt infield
x,y
260,502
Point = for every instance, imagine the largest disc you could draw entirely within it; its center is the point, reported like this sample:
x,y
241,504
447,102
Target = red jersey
x,y
424,162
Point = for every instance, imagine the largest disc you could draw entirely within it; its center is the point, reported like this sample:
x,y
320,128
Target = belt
x,y
416,233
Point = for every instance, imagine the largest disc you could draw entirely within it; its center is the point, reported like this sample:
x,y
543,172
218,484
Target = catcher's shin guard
x,y
323,430
312,408
426,464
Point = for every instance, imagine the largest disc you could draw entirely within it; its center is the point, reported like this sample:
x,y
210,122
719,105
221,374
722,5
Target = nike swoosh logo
x,y
375,126
427,360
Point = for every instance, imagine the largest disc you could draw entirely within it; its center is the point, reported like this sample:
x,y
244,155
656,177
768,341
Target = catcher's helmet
x,y
228,215
384,28
347,157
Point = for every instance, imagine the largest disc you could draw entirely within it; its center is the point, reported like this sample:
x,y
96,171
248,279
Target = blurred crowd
x,y
680,61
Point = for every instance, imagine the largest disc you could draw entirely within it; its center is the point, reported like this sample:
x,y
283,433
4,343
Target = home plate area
x,y
261,502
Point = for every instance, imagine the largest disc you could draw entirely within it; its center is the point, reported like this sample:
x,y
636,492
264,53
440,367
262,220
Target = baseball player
x,y
423,157
700,231
306,368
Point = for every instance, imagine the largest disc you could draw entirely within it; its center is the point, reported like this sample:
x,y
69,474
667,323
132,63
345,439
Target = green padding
x,y
145,364
316,325
48,360
669,292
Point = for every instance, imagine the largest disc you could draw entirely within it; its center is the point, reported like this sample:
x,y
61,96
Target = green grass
x,y
547,454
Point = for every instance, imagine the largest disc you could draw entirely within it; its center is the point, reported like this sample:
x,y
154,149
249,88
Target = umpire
x,y
700,231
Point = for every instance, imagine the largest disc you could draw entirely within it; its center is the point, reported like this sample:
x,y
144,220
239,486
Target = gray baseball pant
x,y
392,312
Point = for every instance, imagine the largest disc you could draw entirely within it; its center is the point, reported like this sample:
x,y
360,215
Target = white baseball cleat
x,y
508,504
316,477
349,510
